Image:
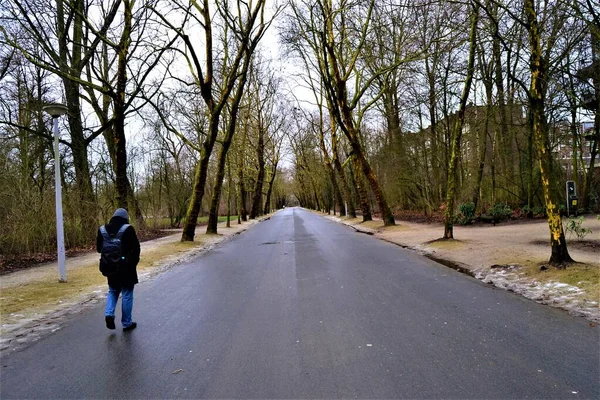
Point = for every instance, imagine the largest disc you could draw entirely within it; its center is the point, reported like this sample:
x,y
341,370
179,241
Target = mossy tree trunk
x,y
344,112
349,205
242,211
433,129
119,108
205,80
229,188
329,165
457,130
273,175
234,107
589,175
260,177
71,65
536,94
359,186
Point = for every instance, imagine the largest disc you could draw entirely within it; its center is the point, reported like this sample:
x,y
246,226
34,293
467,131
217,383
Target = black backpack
x,y
111,256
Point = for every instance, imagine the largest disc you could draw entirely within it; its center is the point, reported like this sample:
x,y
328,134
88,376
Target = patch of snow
x,y
556,294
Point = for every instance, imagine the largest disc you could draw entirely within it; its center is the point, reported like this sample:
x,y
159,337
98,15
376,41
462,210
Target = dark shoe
x,y
130,327
110,322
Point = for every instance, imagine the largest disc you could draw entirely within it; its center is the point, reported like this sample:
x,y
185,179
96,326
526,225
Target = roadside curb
x,y
366,231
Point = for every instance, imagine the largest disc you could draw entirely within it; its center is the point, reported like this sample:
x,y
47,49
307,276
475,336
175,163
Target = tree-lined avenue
x,y
301,307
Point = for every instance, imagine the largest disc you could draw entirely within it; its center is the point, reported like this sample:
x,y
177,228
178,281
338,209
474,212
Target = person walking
x,y
118,244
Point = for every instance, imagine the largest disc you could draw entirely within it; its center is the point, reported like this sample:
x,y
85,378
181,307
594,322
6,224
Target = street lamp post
x,y
56,110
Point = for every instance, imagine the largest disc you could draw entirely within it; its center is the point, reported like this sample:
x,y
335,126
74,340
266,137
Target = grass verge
x,y
29,299
375,225
447,244
583,276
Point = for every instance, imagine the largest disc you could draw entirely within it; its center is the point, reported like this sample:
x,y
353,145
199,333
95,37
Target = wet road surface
x,y
302,307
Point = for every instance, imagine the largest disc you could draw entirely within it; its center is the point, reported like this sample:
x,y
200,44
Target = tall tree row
x,y
450,122
117,67
375,108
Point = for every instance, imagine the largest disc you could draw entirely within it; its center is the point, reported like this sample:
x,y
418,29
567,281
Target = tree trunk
x,y
589,176
70,65
363,195
365,167
213,216
349,199
193,211
337,193
457,131
235,205
392,117
537,92
120,157
506,160
87,206
242,185
267,208
125,195
530,163
482,147
260,155
228,193
435,170
247,45
344,112
331,171
486,71
574,175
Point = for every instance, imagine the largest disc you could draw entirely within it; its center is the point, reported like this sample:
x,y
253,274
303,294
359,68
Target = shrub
x,y
574,227
499,212
536,211
466,213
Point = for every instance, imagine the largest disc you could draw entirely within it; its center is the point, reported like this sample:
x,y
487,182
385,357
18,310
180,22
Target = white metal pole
x,y
60,235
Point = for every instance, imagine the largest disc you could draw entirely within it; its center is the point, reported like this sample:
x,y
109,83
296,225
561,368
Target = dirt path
x,y
480,247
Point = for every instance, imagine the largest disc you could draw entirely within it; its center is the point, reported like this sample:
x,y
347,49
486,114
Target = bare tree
x,y
231,126
264,90
335,39
536,97
248,20
56,41
458,125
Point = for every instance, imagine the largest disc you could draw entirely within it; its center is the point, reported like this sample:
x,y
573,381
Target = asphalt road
x,y
302,307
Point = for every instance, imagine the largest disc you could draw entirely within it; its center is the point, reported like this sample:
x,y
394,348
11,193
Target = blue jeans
x,y
126,303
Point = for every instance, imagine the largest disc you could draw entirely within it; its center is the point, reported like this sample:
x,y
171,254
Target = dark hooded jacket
x,y
127,276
